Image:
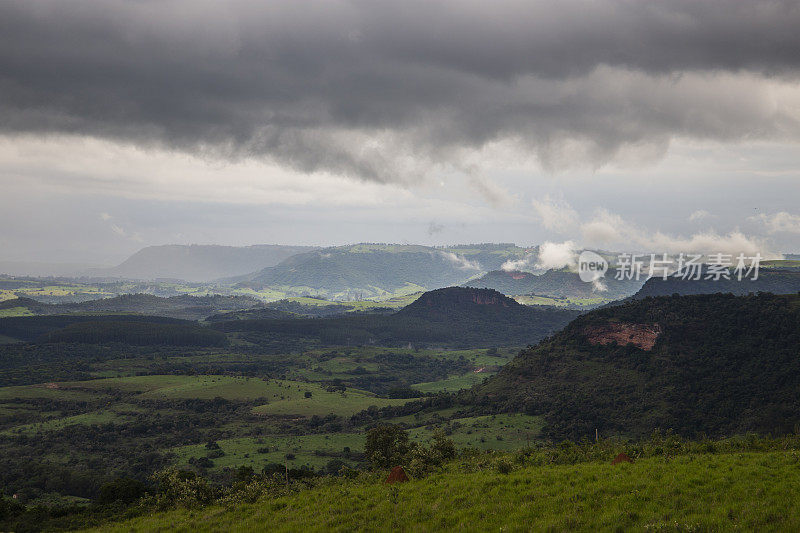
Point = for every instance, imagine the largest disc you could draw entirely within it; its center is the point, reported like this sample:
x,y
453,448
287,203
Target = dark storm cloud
x,y
384,90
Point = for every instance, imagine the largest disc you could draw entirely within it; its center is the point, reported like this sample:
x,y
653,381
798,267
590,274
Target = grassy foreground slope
x,y
720,492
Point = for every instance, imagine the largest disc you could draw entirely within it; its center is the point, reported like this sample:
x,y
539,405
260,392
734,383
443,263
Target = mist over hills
x,y
199,263
555,283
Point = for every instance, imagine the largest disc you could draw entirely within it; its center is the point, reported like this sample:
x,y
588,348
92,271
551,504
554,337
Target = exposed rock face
x,y
640,335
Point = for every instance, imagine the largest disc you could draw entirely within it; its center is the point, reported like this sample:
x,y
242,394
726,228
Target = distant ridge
x,y
377,270
774,281
461,300
199,263
183,307
453,316
556,284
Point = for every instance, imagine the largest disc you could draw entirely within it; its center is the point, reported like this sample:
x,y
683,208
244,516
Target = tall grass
x,y
745,483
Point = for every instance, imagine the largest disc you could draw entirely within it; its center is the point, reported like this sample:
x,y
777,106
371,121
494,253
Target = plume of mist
x,y
554,255
460,261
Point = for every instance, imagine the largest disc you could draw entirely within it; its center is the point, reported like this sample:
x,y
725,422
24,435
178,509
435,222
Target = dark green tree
x,y
387,446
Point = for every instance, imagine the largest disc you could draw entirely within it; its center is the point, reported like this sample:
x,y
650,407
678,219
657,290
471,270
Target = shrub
x,y
122,489
387,446
424,460
180,488
503,466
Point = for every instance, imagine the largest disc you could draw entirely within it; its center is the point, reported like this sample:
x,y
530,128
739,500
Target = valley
x,y
99,385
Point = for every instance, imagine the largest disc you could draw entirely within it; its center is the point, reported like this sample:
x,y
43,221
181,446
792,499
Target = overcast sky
x,y
623,124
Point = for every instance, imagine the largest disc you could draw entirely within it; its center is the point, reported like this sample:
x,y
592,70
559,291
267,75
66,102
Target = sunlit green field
x,y
280,397
15,311
720,492
575,303
293,450
291,400
453,383
491,432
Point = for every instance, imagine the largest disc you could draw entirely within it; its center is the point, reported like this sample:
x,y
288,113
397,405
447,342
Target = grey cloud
x,y
385,90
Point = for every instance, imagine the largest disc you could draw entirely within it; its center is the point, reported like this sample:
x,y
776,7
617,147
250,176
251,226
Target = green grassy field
x,y
282,397
491,432
69,290
303,450
572,303
453,383
495,432
59,423
15,311
720,492
291,400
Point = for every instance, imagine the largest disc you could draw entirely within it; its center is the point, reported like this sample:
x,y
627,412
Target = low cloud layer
x,y
781,222
604,229
391,91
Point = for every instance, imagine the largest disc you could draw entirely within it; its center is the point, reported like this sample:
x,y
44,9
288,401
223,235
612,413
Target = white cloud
x,y
611,230
516,264
557,255
781,222
461,262
700,214
554,214
605,227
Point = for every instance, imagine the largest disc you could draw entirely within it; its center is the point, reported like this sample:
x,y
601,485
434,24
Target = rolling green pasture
x,y
282,397
183,387
15,311
453,383
59,423
291,401
303,450
571,303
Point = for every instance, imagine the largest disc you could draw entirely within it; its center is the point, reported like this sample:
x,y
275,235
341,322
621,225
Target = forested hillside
x,y
714,364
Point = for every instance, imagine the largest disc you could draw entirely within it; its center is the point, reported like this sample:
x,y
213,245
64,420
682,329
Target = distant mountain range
x,y
379,270
182,307
777,281
199,263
